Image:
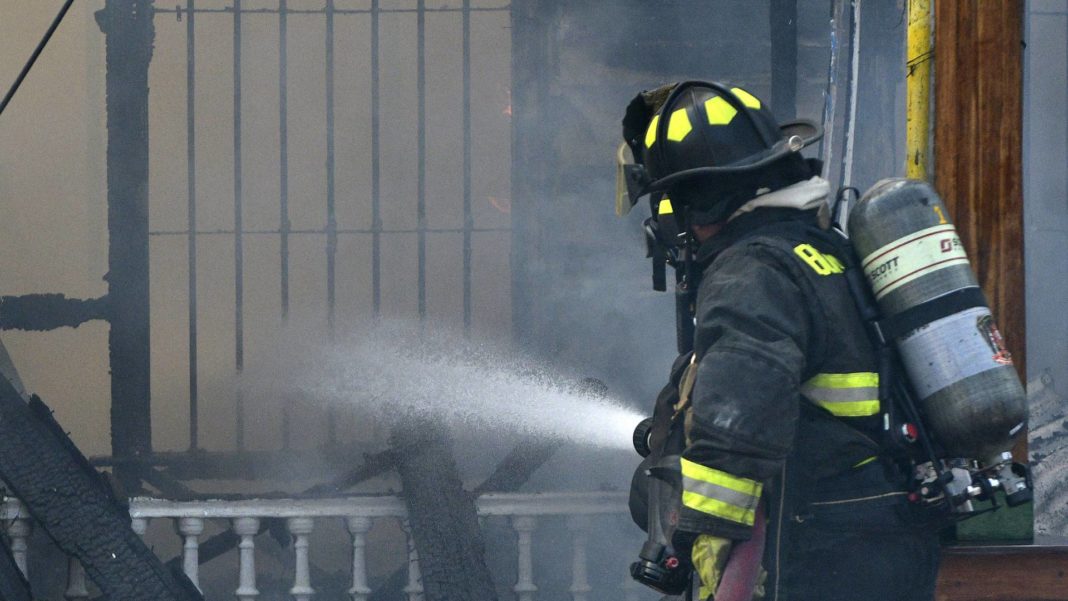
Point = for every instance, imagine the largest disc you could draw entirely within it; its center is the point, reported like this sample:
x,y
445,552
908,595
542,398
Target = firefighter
x,y
781,401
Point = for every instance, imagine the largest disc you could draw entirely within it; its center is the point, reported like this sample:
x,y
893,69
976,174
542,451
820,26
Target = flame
x,y
504,205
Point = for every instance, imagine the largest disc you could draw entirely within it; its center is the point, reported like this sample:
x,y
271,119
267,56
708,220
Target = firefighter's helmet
x,y
710,146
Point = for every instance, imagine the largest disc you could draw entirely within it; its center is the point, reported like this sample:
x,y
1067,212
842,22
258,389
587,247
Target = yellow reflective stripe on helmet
x,y
679,126
747,99
845,395
719,111
718,493
665,208
650,134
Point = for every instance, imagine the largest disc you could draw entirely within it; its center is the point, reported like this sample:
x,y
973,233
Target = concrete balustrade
x,y
76,588
524,586
246,528
525,512
191,529
414,588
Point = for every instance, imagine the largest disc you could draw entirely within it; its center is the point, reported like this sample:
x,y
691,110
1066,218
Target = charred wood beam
x,y
373,465
442,515
130,36
509,476
42,312
76,507
244,465
518,466
251,465
168,485
531,453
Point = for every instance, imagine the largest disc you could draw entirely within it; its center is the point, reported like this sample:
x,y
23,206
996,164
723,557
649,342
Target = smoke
x,y
399,371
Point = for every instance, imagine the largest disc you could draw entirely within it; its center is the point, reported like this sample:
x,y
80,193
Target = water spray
x,y
398,372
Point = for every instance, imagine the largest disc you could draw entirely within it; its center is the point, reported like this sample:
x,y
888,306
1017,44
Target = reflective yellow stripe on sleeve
x,y
718,493
845,395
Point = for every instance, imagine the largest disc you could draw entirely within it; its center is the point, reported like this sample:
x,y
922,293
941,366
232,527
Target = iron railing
x,y
189,12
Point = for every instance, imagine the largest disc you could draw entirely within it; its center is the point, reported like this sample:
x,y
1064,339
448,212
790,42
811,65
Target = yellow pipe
x,y
918,90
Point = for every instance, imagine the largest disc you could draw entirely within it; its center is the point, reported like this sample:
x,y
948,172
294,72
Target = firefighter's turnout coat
x,y
785,406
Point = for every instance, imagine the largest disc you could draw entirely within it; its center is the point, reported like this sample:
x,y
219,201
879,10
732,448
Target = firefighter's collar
x,y
804,195
750,223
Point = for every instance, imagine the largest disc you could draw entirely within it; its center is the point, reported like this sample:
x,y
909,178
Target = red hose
x,y
743,565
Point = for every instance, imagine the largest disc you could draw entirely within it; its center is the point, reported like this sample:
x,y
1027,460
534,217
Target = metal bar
x,y
191,181
340,231
239,250
830,111
469,221
851,98
283,173
421,167
376,212
331,217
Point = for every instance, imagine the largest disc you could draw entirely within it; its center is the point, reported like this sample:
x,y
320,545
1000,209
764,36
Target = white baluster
x,y
20,530
580,530
300,528
358,528
191,529
247,528
524,586
414,588
75,581
139,526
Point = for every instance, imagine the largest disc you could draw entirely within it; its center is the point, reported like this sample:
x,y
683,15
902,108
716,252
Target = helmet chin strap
x,y
686,291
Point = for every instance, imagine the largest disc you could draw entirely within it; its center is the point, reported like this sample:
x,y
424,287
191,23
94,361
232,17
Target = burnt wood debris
x,y
84,513
76,506
442,516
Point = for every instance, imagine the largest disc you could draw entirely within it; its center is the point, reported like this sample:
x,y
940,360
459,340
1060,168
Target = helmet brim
x,y
797,134
808,131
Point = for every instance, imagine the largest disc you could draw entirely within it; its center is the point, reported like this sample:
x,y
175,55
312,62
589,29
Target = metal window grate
x,y
329,12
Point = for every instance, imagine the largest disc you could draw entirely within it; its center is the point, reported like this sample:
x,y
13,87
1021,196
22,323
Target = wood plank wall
x,y
978,170
978,146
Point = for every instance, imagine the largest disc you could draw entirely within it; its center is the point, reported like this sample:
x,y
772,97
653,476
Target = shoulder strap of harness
x,y
894,387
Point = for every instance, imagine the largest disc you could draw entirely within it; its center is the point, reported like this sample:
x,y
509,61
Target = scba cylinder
x,y
955,357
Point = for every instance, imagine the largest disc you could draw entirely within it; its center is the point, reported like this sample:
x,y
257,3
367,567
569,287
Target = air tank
x,y
958,364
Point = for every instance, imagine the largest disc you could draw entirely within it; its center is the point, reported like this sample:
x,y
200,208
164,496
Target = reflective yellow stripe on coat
x,y
718,493
845,395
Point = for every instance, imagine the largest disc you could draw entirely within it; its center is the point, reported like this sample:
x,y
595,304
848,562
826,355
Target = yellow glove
x,y
709,556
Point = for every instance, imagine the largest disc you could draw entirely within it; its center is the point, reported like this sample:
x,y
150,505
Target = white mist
x,y
395,371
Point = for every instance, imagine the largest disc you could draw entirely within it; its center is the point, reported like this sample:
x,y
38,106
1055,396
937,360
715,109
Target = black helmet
x,y
711,147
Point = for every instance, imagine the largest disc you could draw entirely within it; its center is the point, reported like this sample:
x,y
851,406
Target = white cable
x,y
851,121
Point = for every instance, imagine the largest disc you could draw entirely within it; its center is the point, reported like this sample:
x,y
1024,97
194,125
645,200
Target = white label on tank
x,y
912,257
950,349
